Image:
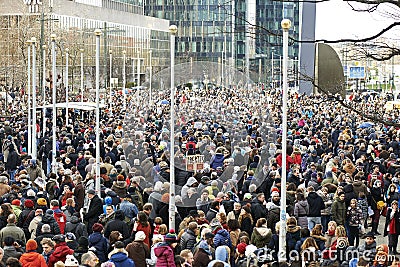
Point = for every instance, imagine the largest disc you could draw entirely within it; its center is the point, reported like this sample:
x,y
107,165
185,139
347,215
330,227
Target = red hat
x,y
31,245
29,203
241,248
275,189
97,227
16,202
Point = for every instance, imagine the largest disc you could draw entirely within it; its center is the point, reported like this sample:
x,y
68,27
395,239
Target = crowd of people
x,y
343,181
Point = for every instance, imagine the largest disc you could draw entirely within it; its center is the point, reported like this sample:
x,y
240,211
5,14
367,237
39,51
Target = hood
x,y
161,249
191,181
47,218
120,184
95,237
263,231
119,215
118,256
74,219
303,203
223,232
31,256
348,188
61,250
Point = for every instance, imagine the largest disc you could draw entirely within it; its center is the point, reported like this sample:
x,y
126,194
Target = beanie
x,y
171,237
97,227
241,248
140,236
16,202
71,261
29,203
31,245
42,202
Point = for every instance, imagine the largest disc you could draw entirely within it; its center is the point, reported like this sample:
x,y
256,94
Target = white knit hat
x,y
71,261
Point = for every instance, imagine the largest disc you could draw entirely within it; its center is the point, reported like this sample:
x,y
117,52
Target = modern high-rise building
x,y
238,33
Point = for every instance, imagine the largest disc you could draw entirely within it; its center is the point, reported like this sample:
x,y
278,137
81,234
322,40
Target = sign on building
x,y
194,162
357,73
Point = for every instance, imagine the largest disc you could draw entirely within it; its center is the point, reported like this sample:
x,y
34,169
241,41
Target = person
x,y
339,209
118,224
98,241
138,250
13,262
12,230
94,211
315,205
48,248
309,252
61,250
76,227
10,250
142,224
392,226
354,219
246,220
261,235
31,258
165,251
367,250
188,256
119,256
301,210
89,259
258,209
203,255
188,239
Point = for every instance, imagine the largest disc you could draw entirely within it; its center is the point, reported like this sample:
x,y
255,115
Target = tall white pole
x,y
81,75
34,132
29,101
282,232
66,86
124,78
138,70
150,77
54,127
44,90
97,32
110,108
173,30
272,70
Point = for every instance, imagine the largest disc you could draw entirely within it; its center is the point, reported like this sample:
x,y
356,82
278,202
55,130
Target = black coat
x,y
94,211
48,219
117,225
315,204
258,210
397,221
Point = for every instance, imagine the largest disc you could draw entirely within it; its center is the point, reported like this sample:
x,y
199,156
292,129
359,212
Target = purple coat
x,y
165,255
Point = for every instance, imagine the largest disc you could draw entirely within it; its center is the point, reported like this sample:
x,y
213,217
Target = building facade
x,y
124,29
243,33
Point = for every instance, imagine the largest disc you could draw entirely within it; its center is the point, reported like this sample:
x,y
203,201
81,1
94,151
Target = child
x,y
157,223
330,234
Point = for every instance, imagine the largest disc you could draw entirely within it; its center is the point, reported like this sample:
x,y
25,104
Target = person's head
x,y
341,196
11,218
54,203
362,262
233,224
13,262
47,245
395,204
171,238
317,230
340,231
193,226
308,243
90,259
91,193
332,226
369,238
261,197
70,202
260,222
353,203
187,255
109,210
158,220
142,218
237,206
147,208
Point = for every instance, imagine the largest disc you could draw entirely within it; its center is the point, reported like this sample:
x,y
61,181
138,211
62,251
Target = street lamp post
x,y
97,32
286,24
53,59
124,78
173,30
34,132
150,77
44,90
66,86
81,74
138,69
29,100
110,108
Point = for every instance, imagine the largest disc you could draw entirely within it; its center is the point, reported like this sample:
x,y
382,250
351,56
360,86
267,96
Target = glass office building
x,y
123,26
227,31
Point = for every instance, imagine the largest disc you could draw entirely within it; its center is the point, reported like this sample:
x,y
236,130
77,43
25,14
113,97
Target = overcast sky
x,y
336,20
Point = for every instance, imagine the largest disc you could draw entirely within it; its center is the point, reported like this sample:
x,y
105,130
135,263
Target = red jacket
x,y
32,259
60,217
61,250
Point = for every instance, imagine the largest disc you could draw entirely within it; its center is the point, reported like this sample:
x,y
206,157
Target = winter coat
x,y
320,240
121,259
222,238
339,212
246,224
32,259
139,252
217,161
354,216
13,231
301,210
349,194
188,240
328,200
76,227
120,188
11,251
359,186
98,241
315,204
396,217
165,255
201,259
61,218
94,211
258,210
261,236
273,218
79,193
48,219
117,224
25,219
61,250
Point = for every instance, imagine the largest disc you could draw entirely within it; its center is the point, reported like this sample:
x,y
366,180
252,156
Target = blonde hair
x,y
163,229
340,231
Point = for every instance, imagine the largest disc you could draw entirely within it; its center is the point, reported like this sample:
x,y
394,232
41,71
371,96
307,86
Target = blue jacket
x,y
98,241
222,238
121,259
217,161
